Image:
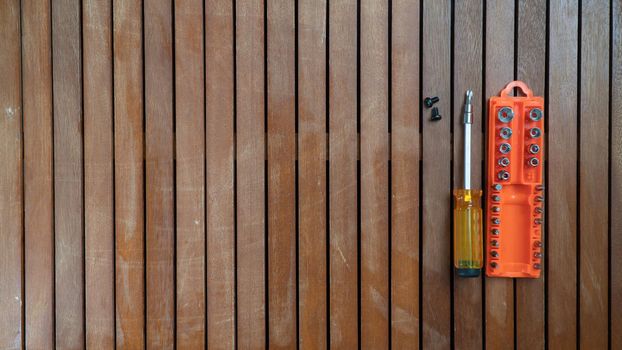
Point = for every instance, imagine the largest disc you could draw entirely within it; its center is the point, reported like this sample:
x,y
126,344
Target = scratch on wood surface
x,y
404,321
380,301
345,261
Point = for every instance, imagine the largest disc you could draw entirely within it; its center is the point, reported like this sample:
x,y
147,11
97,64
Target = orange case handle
x,y
519,84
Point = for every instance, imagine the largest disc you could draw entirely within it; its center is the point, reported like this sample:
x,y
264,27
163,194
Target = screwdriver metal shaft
x,y
468,120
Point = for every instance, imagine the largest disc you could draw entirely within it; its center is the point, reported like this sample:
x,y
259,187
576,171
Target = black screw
x,y
435,114
429,101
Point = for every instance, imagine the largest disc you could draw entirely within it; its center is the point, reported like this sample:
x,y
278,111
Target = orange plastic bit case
x,y
515,202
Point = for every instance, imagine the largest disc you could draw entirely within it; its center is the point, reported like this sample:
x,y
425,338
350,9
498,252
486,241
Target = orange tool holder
x,y
516,194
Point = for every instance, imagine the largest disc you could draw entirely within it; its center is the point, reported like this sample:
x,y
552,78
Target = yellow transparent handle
x,y
467,229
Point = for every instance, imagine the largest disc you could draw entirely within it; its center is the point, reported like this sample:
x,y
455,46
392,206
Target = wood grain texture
x,y
343,153
250,174
281,175
561,247
159,177
128,157
436,235
68,186
98,174
615,262
38,174
531,64
405,158
468,73
312,175
11,186
205,218
499,61
220,91
190,170
594,174
374,146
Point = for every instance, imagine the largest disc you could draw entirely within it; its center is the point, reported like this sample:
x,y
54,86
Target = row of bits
x,y
505,115
535,114
538,220
495,231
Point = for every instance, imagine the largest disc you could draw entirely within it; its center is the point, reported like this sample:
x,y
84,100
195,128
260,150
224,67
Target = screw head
x,y
534,149
430,101
493,264
496,221
495,231
494,254
537,244
496,198
497,187
537,255
435,114
537,266
494,243
504,162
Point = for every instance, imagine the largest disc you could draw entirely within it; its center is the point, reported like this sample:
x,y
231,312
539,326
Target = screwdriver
x,y
467,210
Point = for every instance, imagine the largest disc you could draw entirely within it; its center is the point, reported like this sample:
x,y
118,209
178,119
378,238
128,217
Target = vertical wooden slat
x,y
250,170
38,174
594,174
159,148
561,247
190,186
219,137
436,259
11,201
405,157
616,177
281,175
343,265
312,174
374,56
68,215
499,63
98,174
531,64
128,157
468,36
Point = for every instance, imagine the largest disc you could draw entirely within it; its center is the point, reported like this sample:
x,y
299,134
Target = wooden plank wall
x,y
262,174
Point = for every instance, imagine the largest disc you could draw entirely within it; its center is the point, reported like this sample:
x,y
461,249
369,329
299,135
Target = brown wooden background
x,y
261,173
